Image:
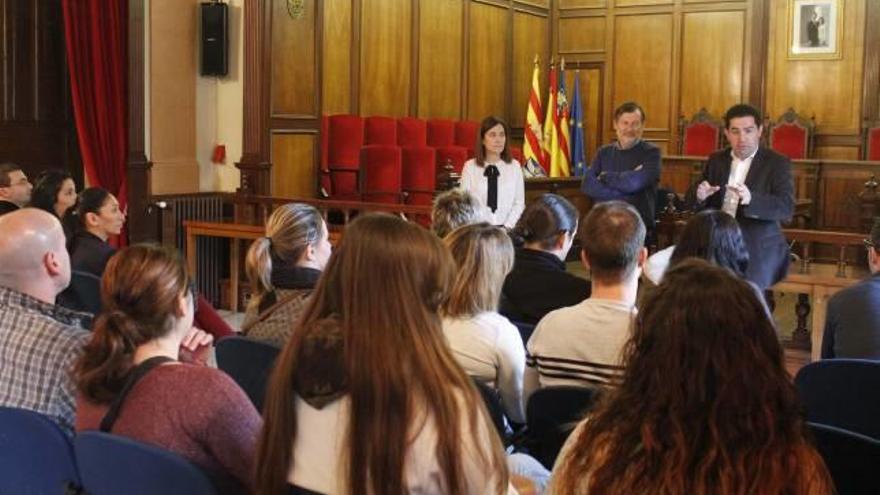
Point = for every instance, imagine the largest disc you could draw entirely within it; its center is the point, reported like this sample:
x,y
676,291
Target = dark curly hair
x,y
706,405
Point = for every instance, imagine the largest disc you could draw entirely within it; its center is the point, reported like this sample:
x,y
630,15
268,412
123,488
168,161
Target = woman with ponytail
x,y
131,382
539,283
366,397
283,268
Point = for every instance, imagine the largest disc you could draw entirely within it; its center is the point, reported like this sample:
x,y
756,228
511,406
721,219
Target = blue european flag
x,y
578,145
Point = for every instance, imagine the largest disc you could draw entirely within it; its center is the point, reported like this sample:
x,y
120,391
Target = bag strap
x,y
134,376
268,312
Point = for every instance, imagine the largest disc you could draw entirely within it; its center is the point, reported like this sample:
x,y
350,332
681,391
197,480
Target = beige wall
x,y
187,114
172,40
219,112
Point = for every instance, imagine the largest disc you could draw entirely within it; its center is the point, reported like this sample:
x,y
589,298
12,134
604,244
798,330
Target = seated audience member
x,y
100,218
705,406
852,324
714,236
452,209
55,192
582,344
15,189
283,268
131,382
366,396
483,342
539,283
38,341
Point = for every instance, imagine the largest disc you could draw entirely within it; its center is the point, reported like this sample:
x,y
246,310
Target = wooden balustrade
x,y
255,210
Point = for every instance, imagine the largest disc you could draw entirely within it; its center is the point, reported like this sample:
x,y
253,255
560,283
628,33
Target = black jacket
x,y
88,258
769,180
537,285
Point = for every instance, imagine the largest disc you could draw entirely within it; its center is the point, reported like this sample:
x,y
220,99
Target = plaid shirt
x,y
39,343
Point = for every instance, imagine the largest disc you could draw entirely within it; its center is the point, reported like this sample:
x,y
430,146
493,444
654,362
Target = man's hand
x,y
196,346
741,190
704,190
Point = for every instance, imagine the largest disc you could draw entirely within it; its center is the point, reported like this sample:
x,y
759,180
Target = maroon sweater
x,y
194,411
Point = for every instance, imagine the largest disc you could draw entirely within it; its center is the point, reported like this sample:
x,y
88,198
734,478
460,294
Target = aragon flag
x,y
533,152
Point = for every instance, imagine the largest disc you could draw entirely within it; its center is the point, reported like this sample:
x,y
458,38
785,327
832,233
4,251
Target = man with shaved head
x,y
39,341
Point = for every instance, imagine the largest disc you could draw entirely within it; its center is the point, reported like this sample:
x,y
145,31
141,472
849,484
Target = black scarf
x,y
492,173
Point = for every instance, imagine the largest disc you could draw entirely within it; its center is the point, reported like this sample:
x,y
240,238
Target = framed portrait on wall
x,y
814,29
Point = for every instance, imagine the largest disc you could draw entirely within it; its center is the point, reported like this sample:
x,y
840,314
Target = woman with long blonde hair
x,y
366,398
706,405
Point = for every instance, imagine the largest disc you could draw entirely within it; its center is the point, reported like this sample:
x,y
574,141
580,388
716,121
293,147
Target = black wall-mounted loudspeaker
x,y
214,40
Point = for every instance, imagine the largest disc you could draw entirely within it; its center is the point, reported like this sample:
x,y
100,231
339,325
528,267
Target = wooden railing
x,y
255,210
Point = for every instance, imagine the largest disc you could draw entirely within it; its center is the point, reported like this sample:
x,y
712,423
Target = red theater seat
x,y
344,138
441,132
792,135
701,136
381,174
380,130
456,155
466,135
517,154
872,143
419,175
412,132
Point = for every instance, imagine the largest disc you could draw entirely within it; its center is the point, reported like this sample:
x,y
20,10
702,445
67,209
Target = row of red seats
x,y
388,160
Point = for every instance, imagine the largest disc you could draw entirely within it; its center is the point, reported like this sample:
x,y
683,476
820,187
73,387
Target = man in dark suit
x,y
754,184
15,189
852,324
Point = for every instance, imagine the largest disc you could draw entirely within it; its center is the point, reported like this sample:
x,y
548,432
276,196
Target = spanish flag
x,y
551,136
534,135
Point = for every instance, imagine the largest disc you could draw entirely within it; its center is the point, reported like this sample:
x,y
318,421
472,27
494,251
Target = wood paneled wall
x,y
458,59
464,59
36,115
671,56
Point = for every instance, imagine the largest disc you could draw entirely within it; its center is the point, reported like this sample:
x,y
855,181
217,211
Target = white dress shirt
x,y
511,190
739,169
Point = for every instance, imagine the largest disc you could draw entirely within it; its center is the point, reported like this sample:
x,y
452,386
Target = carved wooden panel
x,y
386,65
488,67
711,63
643,65
293,170
294,61
530,37
440,61
336,65
581,35
632,3
36,116
577,4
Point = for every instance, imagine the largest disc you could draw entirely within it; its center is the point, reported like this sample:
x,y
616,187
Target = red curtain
x,y
96,35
